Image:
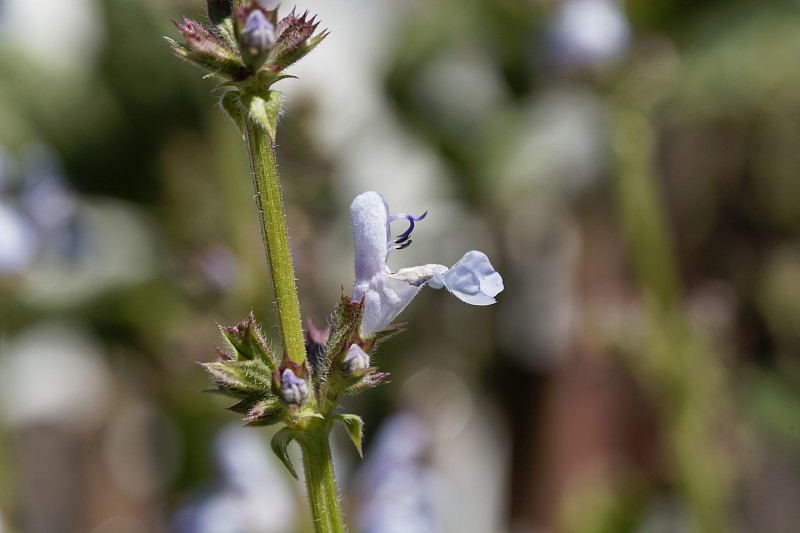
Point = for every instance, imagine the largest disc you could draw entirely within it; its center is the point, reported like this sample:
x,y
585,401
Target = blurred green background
x,y
629,167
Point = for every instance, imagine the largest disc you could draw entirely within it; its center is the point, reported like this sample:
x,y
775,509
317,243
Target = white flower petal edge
x,y
386,293
472,279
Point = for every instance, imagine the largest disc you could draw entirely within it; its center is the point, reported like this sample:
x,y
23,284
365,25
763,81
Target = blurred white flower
x,y
588,32
45,197
54,374
254,497
68,248
63,36
400,492
386,293
18,241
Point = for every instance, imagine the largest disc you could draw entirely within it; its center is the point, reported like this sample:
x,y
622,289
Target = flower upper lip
x,y
386,293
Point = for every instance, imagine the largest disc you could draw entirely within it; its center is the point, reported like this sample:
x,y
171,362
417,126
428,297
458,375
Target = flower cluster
x,y
247,370
340,355
245,40
248,47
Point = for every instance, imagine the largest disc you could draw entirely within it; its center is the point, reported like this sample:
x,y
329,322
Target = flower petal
x,y
370,213
384,298
473,279
419,275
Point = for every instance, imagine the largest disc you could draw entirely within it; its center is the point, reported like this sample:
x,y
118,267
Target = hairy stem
x,y
276,239
323,496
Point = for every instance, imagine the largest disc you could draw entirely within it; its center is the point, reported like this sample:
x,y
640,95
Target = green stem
x,y
276,238
641,209
680,365
323,496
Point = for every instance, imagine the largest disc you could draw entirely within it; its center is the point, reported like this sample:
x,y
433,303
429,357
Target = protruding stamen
x,y
403,239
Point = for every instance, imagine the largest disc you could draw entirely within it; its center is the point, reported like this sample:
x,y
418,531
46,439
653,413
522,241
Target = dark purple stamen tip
x,y
403,237
405,244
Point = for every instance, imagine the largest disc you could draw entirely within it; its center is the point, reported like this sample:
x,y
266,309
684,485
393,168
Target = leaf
x,y
355,428
264,111
280,445
232,105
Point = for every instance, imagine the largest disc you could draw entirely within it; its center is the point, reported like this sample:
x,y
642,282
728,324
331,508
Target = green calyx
x,y
248,48
246,369
332,376
266,388
241,40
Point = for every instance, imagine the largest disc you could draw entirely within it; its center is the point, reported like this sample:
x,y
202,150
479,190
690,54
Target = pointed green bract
x,y
246,342
290,57
345,332
344,328
241,52
264,111
241,379
247,371
232,105
355,428
265,413
280,445
371,380
386,334
204,48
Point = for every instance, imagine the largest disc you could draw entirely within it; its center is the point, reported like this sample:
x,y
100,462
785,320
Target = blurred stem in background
x,y
671,358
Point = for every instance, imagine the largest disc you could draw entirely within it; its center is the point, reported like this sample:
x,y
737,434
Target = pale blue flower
x,y
385,292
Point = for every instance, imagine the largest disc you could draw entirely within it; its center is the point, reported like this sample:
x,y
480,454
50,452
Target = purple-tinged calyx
x,y
203,47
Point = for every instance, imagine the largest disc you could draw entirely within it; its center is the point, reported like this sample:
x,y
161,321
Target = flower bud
x,y
294,390
255,32
258,34
356,360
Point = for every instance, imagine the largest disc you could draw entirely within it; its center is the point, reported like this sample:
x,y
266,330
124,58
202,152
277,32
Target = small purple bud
x,y
356,360
258,33
294,390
